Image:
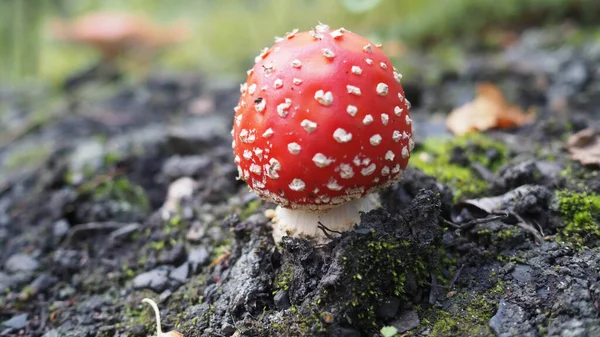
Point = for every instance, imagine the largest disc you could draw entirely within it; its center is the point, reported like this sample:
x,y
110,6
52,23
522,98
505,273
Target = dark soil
x,y
149,207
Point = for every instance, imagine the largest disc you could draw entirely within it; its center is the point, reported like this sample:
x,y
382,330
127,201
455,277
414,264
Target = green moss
x,y
468,316
435,159
284,278
118,189
581,215
250,208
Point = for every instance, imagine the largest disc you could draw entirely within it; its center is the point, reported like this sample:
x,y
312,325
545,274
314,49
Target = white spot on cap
x,y
308,125
356,70
375,140
396,169
411,144
385,171
327,53
400,97
405,152
282,108
341,136
247,154
294,148
297,81
237,159
238,119
272,167
389,156
260,104
243,136
250,71
367,120
296,63
384,119
368,170
278,83
321,160
325,98
243,88
333,185
353,90
322,28
256,169
297,185
352,110
337,33
396,136
398,111
258,152
408,105
397,77
382,89
268,133
252,88
368,48
408,120
369,61
383,65
346,171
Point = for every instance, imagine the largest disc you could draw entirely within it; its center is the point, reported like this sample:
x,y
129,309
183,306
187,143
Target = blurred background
x,y
222,37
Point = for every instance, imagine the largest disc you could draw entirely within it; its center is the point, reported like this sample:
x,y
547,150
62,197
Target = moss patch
x,y
469,316
581,215
450,161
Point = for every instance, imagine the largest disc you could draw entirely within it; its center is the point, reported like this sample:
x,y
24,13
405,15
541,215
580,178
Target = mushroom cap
x,y
321,120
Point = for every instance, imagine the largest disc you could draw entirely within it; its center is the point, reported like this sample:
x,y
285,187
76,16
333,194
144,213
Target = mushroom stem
x,y
157,313
304,223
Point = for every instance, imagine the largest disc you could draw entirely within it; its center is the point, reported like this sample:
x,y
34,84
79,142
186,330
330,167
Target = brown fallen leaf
x,y
159,332
487,111
113,33
584,146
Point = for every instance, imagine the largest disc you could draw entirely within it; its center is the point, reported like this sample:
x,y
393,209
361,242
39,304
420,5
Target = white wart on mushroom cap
x,y
322,120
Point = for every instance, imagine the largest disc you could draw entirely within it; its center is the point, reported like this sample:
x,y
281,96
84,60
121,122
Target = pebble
x,y
180,274
155,279
21,262
16,322
282,300
60,228
197,258
407,321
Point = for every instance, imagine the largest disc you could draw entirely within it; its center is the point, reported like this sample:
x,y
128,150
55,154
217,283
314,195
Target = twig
x,y
528,228
472,223
455,277
327,231
92,226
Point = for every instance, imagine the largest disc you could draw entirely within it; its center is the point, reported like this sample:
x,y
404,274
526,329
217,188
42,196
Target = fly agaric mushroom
x,y
321,125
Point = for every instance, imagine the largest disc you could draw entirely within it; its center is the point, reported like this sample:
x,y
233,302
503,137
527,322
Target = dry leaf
x,y
487,111
116,33
584,146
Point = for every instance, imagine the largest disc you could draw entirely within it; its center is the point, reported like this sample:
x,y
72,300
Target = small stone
x,y
60,228
172,256
407,321
282,300
180,274
16,322
66,292
42,283
155,279
197,258
21,262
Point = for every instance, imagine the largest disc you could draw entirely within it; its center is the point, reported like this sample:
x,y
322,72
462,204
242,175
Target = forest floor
x,y
128,191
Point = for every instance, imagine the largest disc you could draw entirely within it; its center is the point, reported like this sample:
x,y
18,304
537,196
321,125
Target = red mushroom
x,y
322,124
